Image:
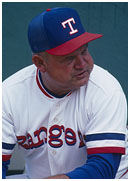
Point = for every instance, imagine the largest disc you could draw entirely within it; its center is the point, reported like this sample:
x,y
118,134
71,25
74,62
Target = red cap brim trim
x,y
72,45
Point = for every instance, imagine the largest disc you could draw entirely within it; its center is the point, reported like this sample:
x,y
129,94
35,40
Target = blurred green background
x,y
107,18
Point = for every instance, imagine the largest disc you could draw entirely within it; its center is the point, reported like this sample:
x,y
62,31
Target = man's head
x,y
60,46
64,73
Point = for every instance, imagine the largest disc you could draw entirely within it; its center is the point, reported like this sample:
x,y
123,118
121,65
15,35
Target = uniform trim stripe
x,y
44,89
105,136
6,157
120,150
106,143
8,146
41,88
123,174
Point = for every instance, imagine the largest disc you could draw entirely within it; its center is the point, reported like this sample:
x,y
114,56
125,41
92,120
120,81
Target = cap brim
x,y
72,45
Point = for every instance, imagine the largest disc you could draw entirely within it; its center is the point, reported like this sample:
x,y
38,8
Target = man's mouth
x,y
82,74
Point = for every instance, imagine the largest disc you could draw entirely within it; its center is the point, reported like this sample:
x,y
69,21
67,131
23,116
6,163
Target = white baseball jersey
x,y
53,131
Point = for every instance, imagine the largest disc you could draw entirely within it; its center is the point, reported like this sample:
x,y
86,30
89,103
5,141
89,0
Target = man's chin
x,y
81,83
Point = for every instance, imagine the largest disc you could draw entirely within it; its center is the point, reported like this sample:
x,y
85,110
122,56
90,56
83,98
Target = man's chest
x,y
54,124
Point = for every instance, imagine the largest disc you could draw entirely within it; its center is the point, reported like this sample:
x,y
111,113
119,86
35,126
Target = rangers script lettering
x,y
55,132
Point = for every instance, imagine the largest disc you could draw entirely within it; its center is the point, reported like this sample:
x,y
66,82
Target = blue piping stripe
x,y
8,146
105,136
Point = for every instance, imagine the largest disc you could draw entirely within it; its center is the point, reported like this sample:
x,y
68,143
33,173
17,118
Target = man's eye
x,y
84,52
70,58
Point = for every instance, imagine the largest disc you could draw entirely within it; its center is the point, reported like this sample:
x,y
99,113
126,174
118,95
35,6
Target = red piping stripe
x,y
41,88
6,157
124,174
106,150
69,94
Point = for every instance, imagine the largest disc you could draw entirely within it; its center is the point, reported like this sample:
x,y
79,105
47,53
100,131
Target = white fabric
x,y
48,128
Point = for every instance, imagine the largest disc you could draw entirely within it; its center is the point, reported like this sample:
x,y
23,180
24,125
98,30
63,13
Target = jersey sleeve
x,y
5,168
106,128
97,166
8,132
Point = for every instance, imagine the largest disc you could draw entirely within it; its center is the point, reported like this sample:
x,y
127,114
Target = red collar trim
x,y
43,89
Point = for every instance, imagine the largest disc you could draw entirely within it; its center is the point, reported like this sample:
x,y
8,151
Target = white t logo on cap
x,y
68,21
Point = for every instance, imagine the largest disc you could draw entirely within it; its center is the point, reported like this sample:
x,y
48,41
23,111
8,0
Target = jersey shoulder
x,y
20,76
103,80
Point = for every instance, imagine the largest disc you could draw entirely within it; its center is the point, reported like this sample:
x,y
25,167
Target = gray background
x,y
107,18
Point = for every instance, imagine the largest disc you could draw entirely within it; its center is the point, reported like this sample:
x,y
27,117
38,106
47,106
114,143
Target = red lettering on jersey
x,y
55,132
81,137
37,134
70,136
56,135
30,141
21,141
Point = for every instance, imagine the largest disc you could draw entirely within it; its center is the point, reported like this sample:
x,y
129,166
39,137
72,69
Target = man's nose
x,y
80,62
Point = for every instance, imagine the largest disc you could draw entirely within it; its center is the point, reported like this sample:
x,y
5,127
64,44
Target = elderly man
x,y
67,114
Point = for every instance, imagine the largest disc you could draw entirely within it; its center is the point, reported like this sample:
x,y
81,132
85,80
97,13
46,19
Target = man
x,y
67,114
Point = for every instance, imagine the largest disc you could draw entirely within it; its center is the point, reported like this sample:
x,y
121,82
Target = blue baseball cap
x,y
58,31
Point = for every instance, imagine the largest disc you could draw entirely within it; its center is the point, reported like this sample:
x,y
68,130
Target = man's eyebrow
x,y
70,56
67,58
86,46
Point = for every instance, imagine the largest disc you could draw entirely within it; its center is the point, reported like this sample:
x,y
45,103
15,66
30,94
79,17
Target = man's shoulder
x,y
20,76
102,79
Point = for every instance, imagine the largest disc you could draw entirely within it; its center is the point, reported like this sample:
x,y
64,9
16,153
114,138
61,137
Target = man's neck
x,y
51,87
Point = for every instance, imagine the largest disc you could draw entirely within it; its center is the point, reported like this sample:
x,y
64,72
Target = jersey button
x,y
57,105
55,119
54,152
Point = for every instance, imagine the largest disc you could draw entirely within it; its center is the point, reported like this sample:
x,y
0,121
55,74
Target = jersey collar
x,y
44,90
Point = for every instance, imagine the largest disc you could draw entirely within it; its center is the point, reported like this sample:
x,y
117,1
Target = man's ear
x,y
39,62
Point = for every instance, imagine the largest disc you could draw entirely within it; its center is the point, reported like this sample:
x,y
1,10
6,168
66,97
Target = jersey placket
x,y
55,133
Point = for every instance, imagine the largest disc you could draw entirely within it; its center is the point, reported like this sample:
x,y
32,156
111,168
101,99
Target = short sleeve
x,y
106,128
8,133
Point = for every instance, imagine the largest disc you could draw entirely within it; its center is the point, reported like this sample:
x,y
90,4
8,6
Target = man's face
x,y
69,71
